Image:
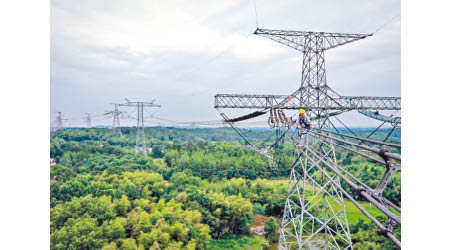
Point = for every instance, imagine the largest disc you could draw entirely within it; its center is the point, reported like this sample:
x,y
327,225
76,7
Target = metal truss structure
x,y
141,146
115,113
394,121
88,120
58,124
314,213
294,101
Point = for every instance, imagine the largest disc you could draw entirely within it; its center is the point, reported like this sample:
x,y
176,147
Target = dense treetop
x,y
197,186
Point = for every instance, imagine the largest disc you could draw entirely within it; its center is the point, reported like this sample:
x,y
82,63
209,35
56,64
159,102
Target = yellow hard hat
x,y
301,111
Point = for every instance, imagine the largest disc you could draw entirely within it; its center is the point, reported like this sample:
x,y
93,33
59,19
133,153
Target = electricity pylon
x,y
319,218
141,146
88,120
116,113
314,213
58,123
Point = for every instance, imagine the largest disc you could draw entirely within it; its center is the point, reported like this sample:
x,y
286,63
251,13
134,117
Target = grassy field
x,y
258,242
353,213
240,243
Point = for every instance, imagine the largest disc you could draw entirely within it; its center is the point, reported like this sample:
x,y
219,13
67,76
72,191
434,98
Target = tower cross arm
x,y
309,41
144,104
244,101
148,104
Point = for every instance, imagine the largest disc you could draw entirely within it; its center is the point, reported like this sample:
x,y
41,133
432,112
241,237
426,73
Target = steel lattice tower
x,y
320,219
58,123
141,146
116,113
88,120
314,214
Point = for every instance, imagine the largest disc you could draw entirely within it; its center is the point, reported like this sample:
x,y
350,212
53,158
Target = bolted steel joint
x,y
384,231
382,154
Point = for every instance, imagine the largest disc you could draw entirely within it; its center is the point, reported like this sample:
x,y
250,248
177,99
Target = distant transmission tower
x,y
116,113
58,123
141,146
88,120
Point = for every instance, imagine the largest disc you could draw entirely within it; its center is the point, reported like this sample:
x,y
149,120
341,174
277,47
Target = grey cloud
x,y
87,74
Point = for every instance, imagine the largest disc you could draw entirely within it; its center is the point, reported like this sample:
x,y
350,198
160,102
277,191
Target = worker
x,y
303,125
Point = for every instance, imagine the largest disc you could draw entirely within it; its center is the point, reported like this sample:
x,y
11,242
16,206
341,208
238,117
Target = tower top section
x,y
309,41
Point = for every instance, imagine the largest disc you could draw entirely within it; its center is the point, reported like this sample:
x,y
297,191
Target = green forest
x,y
196,189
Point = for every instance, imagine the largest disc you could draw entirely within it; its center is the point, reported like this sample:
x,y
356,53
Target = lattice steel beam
x,y
395,121
304,40
244,101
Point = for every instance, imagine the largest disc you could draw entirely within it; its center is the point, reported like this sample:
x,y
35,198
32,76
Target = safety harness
x,y
303,122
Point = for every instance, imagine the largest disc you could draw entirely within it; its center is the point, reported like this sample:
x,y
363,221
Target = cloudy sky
x,y
182,53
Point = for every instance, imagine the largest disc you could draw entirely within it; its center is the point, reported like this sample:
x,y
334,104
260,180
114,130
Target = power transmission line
x,y
387,23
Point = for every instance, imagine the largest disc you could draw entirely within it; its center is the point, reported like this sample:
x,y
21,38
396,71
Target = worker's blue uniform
x,y
303,129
